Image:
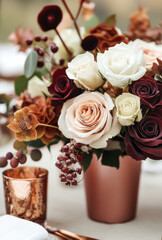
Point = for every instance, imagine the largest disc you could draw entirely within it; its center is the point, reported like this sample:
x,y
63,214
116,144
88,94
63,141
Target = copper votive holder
x,y
25,190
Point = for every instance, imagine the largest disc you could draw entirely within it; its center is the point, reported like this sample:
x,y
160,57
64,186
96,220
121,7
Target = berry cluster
x,y
19,157
41,46
70,154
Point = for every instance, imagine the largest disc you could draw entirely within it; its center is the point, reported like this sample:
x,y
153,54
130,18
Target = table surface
x,y
67,205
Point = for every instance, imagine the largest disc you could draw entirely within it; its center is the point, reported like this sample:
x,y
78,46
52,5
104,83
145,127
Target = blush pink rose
x,y
90,119
150,49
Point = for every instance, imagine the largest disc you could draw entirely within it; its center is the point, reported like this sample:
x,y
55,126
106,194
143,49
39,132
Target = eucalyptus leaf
x,y
21,84
35,143
110,21
111,158
87,161
30,64
92,23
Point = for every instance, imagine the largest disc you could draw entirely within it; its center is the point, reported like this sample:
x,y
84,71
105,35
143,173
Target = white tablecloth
x,y
67,206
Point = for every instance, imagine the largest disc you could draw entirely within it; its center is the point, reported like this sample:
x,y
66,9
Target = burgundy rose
x,y
62,88
149,91
144,139
49,17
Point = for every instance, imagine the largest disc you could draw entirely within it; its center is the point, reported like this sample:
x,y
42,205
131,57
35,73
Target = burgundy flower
x,y
149,91
89,43
62,88
144,139
49,17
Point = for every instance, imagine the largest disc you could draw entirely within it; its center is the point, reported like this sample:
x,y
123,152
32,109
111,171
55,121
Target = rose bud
x,y
89,43
49,17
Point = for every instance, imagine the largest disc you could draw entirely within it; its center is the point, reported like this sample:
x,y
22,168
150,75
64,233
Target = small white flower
x,y
72,40
84,71
121,64
37,87
128,109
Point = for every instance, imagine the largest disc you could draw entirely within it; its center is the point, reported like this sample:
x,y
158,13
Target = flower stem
x,y
79,9
47,125
68,51
72,17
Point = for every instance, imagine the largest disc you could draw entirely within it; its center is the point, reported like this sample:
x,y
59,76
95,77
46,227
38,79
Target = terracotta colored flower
x,y
107,36
50,135
24,125
50,17
19,37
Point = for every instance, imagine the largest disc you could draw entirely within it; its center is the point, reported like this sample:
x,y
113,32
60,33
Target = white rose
x,y
84,71
128,109
150,49
72,40
36,87
121,64
88,119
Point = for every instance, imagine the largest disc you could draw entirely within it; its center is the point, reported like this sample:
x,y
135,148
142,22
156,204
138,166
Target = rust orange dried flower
x,y
24,125
107,36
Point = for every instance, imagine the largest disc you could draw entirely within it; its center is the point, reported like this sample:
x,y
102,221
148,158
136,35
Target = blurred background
x,y
14,13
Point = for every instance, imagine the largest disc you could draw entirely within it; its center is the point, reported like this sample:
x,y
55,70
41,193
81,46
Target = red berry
x,y
79,170
9,155
80,158
45,38
29,42
41,53
77,146
19,153
64,169
74,182
74,175
54,48
62,61
40,64
14,162
61,175
67,183
37,38
65,148
63,179
22,159
58,164
68,162
60,158
3,162
69,176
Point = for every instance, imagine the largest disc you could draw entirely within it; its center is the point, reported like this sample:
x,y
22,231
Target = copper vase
x,y
112,193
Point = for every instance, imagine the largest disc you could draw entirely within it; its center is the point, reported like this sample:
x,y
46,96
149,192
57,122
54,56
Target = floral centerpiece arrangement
x,y
94,88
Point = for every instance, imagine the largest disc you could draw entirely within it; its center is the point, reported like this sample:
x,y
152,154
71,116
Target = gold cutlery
x,y
66,235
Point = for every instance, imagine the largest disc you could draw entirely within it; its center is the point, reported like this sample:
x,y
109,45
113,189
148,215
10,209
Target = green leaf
x,y
36,143
30,64
110,21
98,153
87,161
111,158
92,22
21,84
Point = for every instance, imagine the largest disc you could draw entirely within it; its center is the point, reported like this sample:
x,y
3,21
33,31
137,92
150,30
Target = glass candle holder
x,y
25,190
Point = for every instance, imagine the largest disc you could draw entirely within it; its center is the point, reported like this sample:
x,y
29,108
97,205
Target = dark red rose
x,y
50,17
144,139
149,91
62,88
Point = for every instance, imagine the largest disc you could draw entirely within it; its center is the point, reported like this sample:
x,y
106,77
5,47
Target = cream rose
x,y
150,49
121,65
128,109
88,119
72,40
38,87
84,70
